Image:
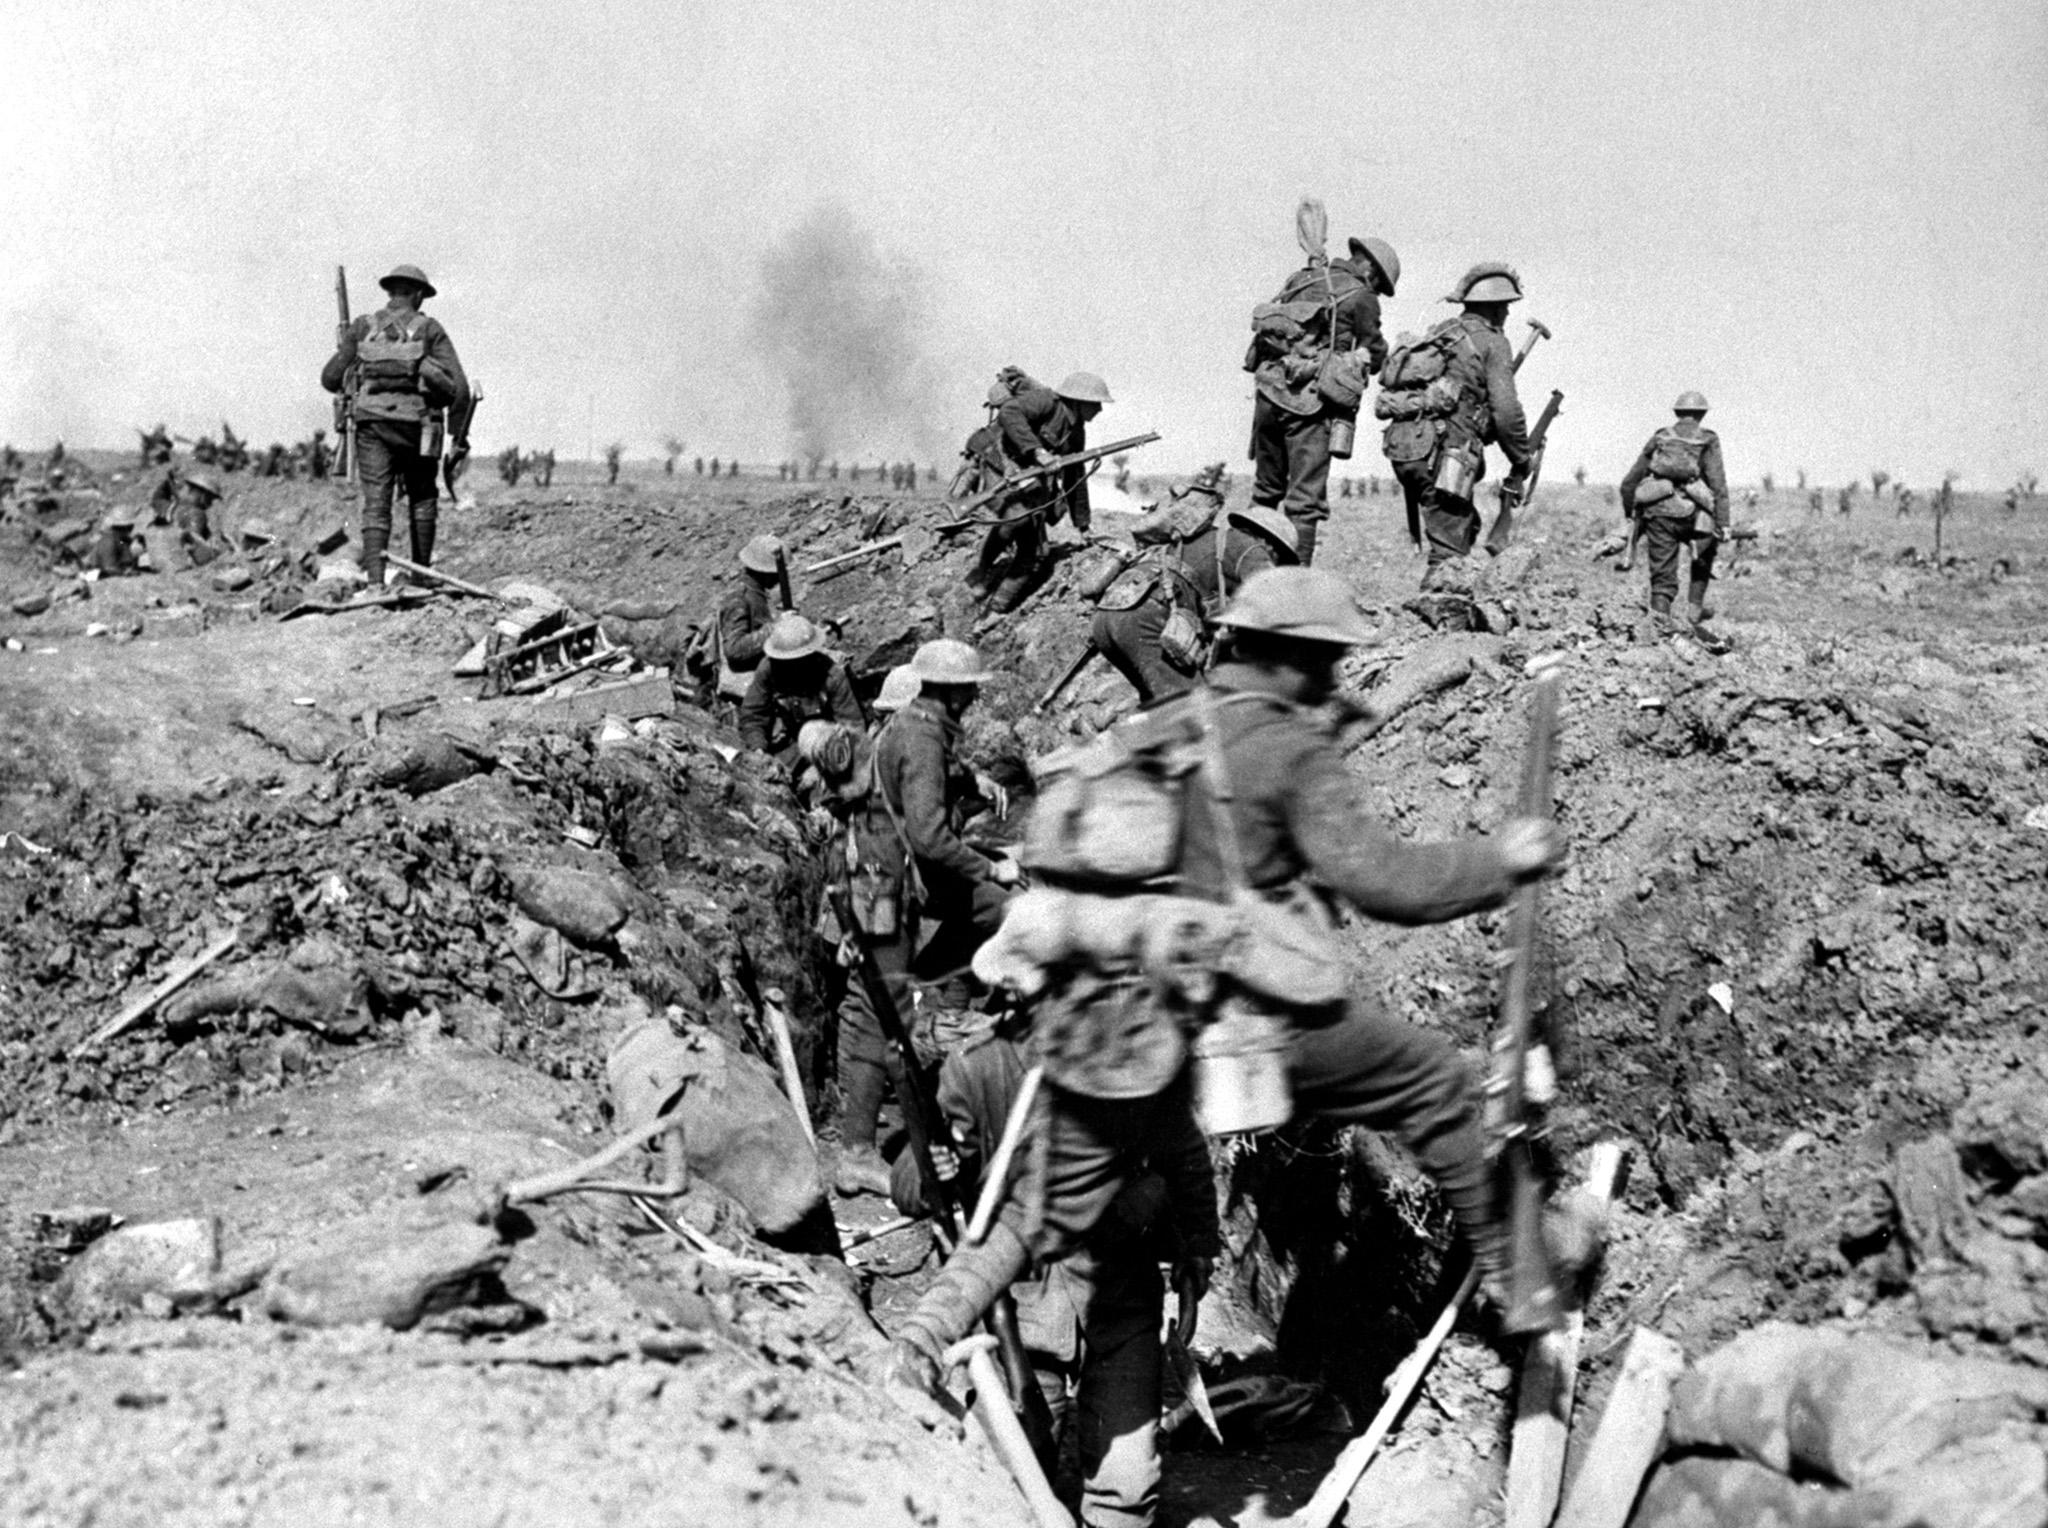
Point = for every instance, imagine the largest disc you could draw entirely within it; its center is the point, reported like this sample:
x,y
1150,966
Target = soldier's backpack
x,y
1416,382
1676,458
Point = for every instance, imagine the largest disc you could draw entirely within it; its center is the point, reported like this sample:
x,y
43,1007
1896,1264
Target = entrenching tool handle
x,y
1534,1303
1005,1434
1503,530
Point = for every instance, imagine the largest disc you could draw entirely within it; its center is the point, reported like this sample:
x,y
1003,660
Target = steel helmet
x,y
998,395
410,273
792,637
203,481
121,517
1085,387
1382,255
1271,524
1690,402
946,661
759,555
1308,604
1493,289
899,688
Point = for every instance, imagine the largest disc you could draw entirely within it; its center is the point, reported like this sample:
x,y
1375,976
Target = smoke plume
x,y
838,318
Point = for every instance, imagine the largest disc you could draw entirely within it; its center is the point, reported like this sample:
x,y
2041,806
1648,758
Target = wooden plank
x,y
180,974
1629,1437
1543,1403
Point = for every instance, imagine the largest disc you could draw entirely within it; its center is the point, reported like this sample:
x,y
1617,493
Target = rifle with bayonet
x,y
1534,1300
924,1122
1028,475
344,400
1503,530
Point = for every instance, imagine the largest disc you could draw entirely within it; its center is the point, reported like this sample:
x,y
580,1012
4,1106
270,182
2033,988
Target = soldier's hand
x,y
1006,872
995,795
945,1162
1532,847
1043,457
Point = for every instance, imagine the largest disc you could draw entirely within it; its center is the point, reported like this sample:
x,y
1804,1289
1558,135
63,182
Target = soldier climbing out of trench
x,y
746,614
1679,487
1128,984
1039,425
407,381
1090,1321
1156,622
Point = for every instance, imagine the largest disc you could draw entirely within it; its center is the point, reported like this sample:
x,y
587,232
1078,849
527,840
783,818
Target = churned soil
x,y
1803,927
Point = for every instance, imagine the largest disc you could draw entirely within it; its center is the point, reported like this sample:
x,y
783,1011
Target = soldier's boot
x,y
1660,615
1305,540
1696,601
971,1282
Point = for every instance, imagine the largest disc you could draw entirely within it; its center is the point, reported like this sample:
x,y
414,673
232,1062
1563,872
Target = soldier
x,y
547,468
113,550
1090,1322
1284,815
932,792
320,459
747,613
900,686
1038,426
1446,397
198,492
234,451
406,374
1302,354
156,447
1677,481
981,458
1207,559
612,455
797,681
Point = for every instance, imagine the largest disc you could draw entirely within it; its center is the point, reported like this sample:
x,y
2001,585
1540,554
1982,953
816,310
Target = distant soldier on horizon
x,y
545,467
1677,479
612,455
156,447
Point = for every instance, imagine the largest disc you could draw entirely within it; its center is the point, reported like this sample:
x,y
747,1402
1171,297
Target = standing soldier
x,y
1678,481
1446,397
1309,380
1155,623
405,374
797,681
746,615
612,454
1038,426
1271,813
321,459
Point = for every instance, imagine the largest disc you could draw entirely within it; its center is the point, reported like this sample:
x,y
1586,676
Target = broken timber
x,y
1543,1401
1630,1434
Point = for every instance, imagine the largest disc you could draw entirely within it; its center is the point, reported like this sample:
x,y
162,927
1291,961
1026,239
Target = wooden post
x,y
1630,1434
785,1053
1543,1403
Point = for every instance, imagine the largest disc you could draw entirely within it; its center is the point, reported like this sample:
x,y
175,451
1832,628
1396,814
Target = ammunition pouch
x,y
1411,440
388,359
1342,382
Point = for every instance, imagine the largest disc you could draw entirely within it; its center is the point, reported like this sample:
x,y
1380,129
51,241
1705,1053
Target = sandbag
x,y
1854,1409
740,1133
588,907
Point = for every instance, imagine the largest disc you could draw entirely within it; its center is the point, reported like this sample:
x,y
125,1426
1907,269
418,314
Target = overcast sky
x,y
1830,218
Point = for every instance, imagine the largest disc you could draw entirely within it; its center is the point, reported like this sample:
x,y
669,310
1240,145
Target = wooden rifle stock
x,y
782,580
1534,1301
924,1122
345,400
1032,474
1072,672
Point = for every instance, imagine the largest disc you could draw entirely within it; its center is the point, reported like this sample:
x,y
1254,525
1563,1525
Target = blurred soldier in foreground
x,y
796,682
1310,381
1679,488
1155,623
406,376
1091,1321
1122,976
1446,397
1038,426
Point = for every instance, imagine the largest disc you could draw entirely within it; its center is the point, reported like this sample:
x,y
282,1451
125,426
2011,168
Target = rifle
x,y
345,400
1534,1301
925,1123
1032,474
782,579
1072,672
458,437
1635,539
1503,530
